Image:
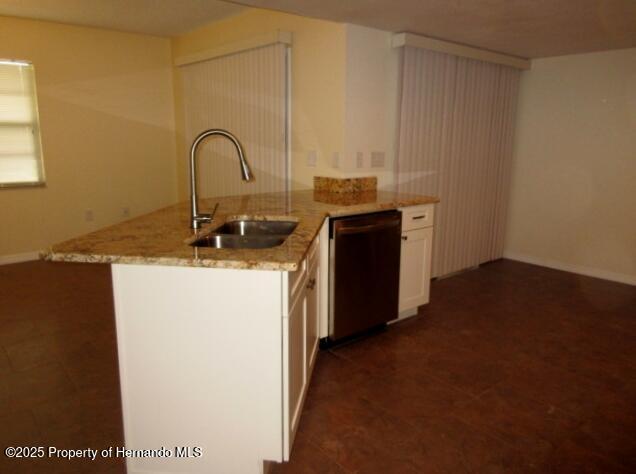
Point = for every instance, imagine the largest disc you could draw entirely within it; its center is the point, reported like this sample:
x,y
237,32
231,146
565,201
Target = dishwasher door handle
x,y
368,228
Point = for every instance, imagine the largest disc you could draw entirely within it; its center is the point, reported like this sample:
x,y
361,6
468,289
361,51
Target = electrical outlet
x,y
335,159
377,159
312,158
125,212
88,215
360,159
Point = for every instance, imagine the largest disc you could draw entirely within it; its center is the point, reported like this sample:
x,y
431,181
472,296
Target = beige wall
x,y
573,202
318,68
107,121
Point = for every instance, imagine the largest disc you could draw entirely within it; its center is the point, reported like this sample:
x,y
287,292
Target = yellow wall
x,y
573,202
107,125
318,70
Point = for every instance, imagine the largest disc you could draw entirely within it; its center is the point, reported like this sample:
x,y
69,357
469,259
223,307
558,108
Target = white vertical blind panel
x,y
244,93
455,136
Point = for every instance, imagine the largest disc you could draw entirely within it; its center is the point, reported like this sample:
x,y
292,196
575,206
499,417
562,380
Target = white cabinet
x,y
415,268
295,357
415,260
196,372
312,302
300,345
245,364
300,339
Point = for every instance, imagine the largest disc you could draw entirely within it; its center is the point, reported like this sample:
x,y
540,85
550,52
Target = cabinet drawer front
x,y
297,278
312,254
296,281
417,217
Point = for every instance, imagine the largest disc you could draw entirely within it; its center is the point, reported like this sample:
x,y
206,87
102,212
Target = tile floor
x,y
511,368
58,364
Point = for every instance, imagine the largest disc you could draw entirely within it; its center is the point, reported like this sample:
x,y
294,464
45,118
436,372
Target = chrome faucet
x,y
197,219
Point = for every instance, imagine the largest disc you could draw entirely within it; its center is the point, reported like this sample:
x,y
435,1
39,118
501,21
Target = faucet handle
x,y
203,218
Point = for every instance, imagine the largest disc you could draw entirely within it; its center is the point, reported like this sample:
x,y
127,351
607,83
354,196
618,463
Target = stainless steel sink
x,y
247,234
228,241
252,227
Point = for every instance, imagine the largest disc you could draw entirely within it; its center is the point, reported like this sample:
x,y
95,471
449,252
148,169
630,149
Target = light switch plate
x,y
360,159
312,158
335,160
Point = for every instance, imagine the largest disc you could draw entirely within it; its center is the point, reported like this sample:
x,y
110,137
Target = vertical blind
x,y
20,156
456,127
245,93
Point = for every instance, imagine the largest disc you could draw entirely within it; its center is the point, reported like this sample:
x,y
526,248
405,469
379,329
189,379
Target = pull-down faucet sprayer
x,y
197,219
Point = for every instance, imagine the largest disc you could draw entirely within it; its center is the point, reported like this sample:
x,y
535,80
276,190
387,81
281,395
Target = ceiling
x,y
524,28
154,17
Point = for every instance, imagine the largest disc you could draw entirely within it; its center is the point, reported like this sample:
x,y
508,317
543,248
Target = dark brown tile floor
x,y
511,368
58,365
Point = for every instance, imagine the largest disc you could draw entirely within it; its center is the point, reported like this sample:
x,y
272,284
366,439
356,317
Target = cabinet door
x,y
313,284
297,376
415,268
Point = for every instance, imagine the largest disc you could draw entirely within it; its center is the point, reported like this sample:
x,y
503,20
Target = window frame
x,y
35,129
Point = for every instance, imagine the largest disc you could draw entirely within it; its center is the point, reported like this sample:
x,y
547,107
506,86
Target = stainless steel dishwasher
x,y
364,275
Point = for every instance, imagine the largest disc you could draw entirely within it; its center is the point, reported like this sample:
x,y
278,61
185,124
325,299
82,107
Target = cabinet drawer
x,y
297,279
417,217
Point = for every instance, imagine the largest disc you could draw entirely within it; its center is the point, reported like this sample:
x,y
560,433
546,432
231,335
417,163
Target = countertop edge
x,y
53,255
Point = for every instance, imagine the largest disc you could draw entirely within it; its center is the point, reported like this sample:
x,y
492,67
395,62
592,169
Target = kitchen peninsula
x,y
216,346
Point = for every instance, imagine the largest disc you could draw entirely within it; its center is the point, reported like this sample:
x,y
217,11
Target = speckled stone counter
x,y
163,237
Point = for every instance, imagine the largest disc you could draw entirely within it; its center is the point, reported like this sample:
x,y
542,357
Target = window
x,y
20,151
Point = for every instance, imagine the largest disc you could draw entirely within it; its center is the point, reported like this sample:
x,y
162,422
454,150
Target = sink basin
x,y
228,241
252,227
247,234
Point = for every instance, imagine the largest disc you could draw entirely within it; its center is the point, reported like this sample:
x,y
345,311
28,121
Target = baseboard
x,y
579,269
19,257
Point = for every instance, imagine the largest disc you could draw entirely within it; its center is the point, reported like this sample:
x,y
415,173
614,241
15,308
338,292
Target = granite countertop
x,y
162,237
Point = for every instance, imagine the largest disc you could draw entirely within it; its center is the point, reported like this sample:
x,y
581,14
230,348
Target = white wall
x,y
371,84
573,201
